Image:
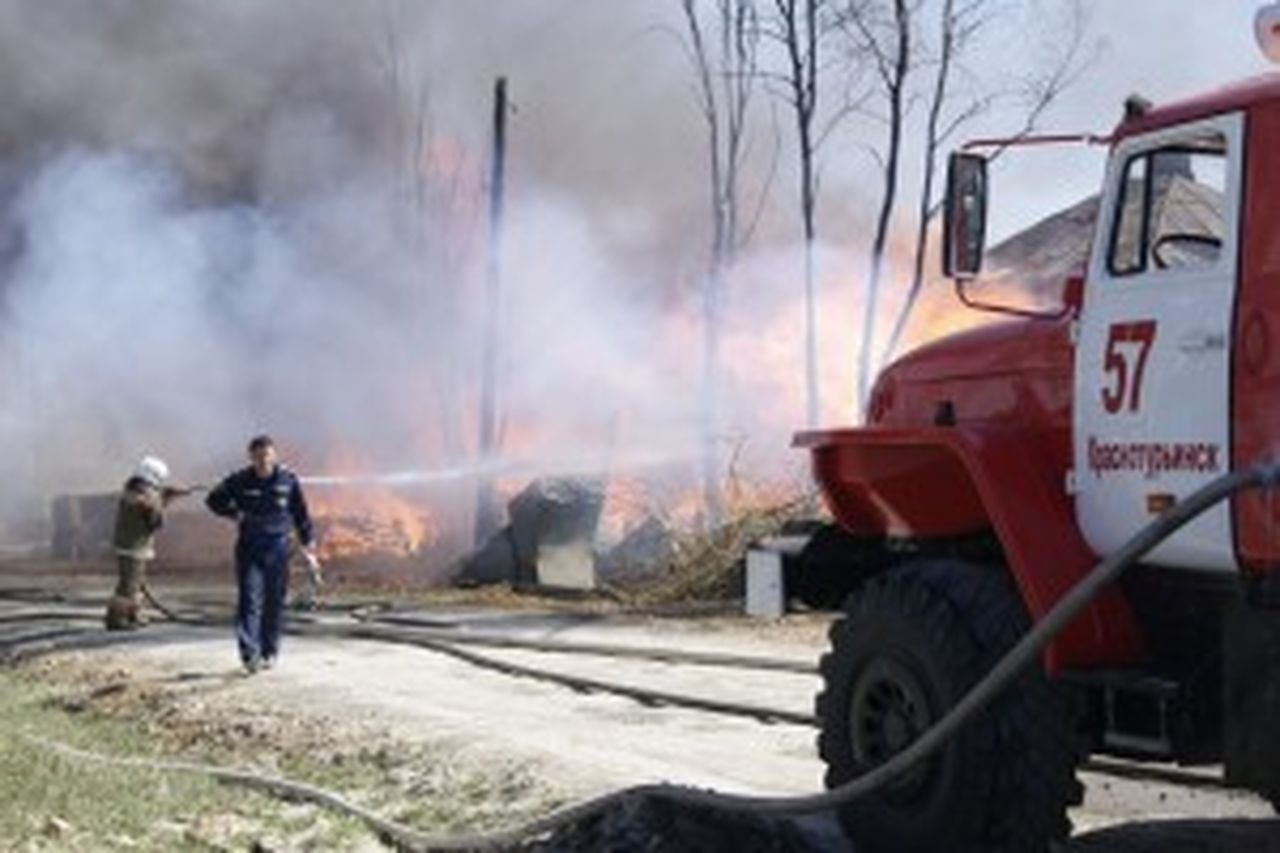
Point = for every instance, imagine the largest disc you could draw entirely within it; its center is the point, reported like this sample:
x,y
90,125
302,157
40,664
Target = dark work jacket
x,y
265,507
139,514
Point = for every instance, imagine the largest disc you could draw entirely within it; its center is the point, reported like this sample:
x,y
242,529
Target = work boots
x,y
123,614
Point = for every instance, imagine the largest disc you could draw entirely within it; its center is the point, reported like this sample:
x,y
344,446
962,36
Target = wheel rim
x,y
888,710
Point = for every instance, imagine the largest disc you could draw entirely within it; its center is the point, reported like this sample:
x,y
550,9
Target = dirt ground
x,y
358,697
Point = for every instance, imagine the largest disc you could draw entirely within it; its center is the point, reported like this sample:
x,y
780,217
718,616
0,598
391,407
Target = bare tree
x,y
488,517
797,27
953,31
961,22
723,52
409,117
883,37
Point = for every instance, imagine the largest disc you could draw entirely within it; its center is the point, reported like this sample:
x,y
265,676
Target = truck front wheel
x,y
911,643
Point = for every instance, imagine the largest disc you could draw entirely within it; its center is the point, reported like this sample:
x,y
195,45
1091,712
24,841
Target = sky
x,y
1163,50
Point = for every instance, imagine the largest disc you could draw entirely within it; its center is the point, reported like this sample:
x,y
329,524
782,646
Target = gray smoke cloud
x,y
226,218
222,217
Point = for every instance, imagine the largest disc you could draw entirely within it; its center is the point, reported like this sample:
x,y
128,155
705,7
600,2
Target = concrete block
x,y
766,597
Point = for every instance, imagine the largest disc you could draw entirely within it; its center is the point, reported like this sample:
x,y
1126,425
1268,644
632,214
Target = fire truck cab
x,y
999,465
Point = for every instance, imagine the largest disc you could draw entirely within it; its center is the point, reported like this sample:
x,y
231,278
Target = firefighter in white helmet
x,y
139,514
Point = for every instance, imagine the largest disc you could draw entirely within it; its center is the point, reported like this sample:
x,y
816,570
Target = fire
x,y
355,522
357,519
632,500
762,403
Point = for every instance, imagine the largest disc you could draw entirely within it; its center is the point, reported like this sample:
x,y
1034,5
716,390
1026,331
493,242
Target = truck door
x,y
1153,359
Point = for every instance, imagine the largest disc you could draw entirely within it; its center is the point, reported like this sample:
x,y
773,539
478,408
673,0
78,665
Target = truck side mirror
x,y
964,227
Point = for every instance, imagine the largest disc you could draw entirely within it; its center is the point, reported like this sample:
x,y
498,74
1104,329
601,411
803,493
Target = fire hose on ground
x,y
452,644
1027,652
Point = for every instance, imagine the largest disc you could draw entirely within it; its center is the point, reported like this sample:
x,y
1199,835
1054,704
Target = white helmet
x,y
152,469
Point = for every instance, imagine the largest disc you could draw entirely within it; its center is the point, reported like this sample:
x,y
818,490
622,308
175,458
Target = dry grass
x,y
50,803
707,567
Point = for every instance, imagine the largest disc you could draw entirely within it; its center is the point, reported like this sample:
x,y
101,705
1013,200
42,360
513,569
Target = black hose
x,y
158,605
643,695
30,648
446,645
1025,653
432,631
40,636
396,834
27,617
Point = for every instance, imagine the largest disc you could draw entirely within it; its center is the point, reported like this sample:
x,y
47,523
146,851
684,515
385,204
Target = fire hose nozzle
x,y
184,491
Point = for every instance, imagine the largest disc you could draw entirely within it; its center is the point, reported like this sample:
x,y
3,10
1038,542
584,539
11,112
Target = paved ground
x,y
583,744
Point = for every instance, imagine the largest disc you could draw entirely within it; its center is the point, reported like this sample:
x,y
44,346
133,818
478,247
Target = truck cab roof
x,y
1230,98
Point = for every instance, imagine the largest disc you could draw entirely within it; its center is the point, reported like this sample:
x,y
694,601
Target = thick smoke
x,y
217,218
138,322
220,219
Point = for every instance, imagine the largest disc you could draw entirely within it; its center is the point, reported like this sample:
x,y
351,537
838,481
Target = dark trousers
x,y
262,575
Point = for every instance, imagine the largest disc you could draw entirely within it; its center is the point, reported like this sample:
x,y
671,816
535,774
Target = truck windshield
x,y
1172,208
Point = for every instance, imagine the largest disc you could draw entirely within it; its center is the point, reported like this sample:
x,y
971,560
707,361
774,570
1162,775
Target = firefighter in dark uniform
x,y
266,501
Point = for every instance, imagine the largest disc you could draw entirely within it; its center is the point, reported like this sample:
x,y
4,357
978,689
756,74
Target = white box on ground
x,y
765,594
567,567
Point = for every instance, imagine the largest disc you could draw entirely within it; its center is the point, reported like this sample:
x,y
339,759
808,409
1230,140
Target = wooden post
x,y
487,517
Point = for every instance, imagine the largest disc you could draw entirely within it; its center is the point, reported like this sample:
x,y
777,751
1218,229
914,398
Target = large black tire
x,y
832,565
912,642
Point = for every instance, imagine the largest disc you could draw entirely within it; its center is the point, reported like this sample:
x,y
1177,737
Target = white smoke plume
x,y
218,218
211,228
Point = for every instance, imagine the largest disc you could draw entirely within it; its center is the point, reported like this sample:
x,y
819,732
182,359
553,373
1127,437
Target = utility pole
x,y
487,518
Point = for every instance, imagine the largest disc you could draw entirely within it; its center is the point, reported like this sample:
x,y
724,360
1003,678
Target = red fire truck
x,y
997,466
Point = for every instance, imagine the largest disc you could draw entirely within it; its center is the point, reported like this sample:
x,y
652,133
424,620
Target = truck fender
x,y
938,482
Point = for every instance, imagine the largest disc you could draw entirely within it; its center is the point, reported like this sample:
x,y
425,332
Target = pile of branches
x,y
708,566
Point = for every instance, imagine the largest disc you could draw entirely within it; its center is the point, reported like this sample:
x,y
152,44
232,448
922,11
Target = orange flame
x,y
355,522
363,520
